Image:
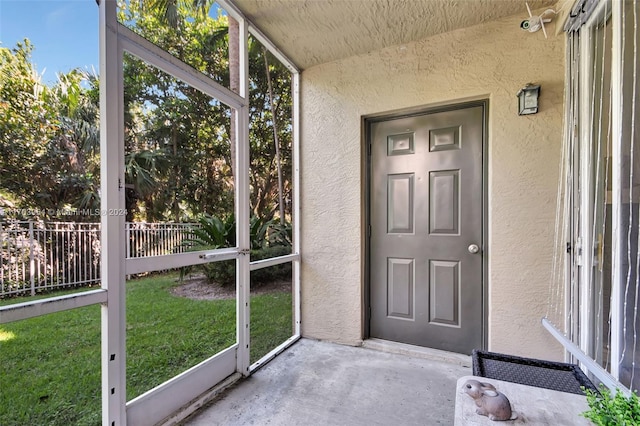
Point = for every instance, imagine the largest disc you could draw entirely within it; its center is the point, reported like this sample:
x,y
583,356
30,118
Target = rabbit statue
x,y
489,401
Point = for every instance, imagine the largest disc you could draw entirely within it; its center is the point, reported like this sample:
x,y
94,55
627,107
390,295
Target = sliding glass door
x,y
604,187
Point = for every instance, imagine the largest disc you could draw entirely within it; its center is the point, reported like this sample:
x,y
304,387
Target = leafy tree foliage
x,y
270,116
183,123
48,135
179,161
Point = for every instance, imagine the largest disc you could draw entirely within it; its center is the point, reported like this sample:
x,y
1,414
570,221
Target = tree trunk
x,y
275,137
234,82
176,173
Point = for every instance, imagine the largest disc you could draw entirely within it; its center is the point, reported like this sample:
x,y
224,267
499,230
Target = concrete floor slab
x,y
320,383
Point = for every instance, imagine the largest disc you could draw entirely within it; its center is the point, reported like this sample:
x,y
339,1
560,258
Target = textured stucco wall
x,y
487,61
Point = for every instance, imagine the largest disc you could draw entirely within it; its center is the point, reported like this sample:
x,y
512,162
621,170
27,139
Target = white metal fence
x,y
37,256
157,239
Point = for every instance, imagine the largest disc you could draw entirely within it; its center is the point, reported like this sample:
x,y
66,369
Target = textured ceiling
x,y
311,32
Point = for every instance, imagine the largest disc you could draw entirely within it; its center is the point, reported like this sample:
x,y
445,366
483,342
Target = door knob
x,y
473,248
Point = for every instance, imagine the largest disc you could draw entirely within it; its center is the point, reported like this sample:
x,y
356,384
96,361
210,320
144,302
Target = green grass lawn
x,y
50,365
271,322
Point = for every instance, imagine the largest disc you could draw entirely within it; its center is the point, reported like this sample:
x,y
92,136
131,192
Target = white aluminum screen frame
x,y
114,40
617,317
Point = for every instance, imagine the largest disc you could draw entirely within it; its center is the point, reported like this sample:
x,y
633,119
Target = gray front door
x,y
426,217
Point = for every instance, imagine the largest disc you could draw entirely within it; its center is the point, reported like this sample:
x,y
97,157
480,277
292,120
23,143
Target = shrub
x,y
272,273
268,239
619,410
213,233
16,249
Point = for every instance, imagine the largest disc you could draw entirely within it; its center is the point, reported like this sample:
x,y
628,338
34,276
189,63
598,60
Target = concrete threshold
x,y
417,351
321,383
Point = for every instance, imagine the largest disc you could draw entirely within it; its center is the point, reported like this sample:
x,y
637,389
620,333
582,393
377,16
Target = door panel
x,y
400,287
444,281
443,202
400,203
426,210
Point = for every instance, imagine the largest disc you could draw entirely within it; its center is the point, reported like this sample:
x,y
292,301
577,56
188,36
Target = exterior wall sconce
x,y
528,99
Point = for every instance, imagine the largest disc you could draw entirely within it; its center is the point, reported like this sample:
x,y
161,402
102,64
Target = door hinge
x,y
568,247
369,149
369,231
